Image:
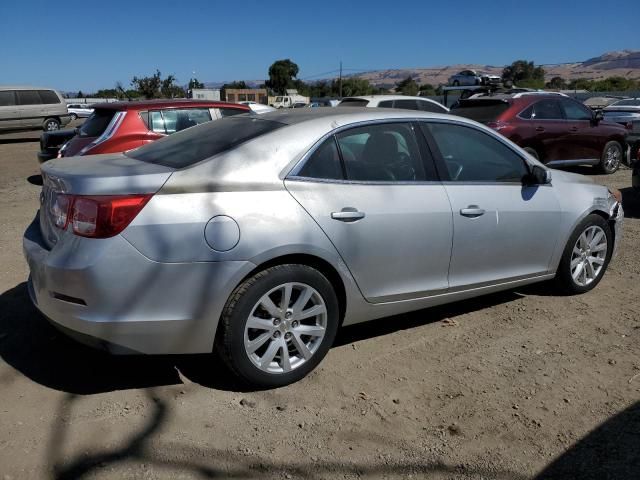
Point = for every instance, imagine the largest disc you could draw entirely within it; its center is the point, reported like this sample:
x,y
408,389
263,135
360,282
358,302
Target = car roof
x,y
167,103
348,115
385,97
25,87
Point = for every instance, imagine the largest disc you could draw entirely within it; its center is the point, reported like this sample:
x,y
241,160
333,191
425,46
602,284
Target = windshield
x,y
97,123
190,146
481,110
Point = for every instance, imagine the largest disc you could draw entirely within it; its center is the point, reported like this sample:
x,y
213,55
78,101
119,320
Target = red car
x,y
121,126
554,128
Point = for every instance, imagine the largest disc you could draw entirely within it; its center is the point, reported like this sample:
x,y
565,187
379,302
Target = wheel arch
x,y
313,261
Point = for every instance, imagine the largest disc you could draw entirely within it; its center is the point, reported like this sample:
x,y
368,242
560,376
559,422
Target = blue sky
x,y
89,45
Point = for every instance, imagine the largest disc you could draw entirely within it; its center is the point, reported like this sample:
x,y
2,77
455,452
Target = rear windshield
x,y
190,146
480,110
97,123
353,102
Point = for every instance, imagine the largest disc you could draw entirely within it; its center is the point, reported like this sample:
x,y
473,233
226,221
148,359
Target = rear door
x,y
31,108
551,130
503,230
373,194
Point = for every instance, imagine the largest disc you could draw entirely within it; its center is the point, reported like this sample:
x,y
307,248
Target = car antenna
x,y
123,91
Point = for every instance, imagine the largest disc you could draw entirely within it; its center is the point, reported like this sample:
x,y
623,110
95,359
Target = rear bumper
x,y
106,294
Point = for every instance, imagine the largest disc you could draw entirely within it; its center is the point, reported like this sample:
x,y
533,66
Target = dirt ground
x,y
518,385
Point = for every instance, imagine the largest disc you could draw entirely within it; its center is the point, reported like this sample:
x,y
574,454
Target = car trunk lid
x,y
110,174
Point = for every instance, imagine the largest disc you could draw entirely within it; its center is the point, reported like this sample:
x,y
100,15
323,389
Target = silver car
x,y
259,236
471,77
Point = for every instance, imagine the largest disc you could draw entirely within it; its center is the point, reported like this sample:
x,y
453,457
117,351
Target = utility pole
x,y
340,78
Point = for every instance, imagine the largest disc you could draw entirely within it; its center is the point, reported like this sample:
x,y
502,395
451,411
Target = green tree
x,y
281,75
80,94
524,74
194,83
557,83
157,87
427,89
408,86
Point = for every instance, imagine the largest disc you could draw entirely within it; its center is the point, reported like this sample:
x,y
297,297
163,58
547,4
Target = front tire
x,y
586,256
278,325
611,157
73,116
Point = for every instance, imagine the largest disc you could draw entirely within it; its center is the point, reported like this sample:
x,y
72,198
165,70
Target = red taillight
x,y
100,216
59,209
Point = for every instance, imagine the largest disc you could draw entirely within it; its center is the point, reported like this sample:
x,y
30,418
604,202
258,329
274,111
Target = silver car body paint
x,y
161,285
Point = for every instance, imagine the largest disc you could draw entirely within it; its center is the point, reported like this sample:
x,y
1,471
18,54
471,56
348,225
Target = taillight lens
x,y
59,209
101,216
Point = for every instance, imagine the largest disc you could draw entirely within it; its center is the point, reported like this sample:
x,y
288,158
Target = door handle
x,y
472,211
539,129
348,214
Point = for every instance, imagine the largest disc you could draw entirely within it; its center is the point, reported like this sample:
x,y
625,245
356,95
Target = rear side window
x,y
229,112
7,98
353,102
324,163
97,123
28,97
49,97
173,120
481,110
191,146
547,110
386,104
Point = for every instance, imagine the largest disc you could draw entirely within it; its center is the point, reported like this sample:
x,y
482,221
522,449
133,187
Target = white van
x,y
30,108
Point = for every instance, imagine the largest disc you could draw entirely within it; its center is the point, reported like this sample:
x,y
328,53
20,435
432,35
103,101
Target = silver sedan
x,y
258,237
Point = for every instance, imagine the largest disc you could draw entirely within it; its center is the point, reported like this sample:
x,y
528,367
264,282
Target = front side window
x,y
382,153
575,111
430,107
547,110
28,97
406,104
471,155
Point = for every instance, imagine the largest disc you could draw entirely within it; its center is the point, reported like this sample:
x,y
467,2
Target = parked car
x,y
259,236
395,101
552,127
79,110
471,77
627,113
120,126
31,108
598,103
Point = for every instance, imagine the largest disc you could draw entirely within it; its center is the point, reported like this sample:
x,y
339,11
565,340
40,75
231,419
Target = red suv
x,y
554,128
121,126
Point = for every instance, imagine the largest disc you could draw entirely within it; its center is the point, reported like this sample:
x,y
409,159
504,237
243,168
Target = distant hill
x,y
625,63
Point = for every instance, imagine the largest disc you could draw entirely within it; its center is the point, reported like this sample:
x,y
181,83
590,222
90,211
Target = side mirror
x,y
538,176
598,116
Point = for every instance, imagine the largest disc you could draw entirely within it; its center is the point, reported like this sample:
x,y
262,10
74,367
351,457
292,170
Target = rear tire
x,y
51,124
611,157
586,256
263,341
73,116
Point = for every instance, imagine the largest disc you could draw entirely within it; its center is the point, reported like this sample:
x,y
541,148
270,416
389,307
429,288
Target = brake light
x,y
59,209
101,216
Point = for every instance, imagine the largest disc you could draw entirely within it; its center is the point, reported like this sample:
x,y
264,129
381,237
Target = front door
x,y
370,191
503,230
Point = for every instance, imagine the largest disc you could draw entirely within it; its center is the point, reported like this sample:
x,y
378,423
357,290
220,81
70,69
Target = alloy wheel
x,y
612,157
285,328
588,255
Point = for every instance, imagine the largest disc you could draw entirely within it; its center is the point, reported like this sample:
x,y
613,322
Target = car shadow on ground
x,y
631,202
6,141
33,347
611,451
